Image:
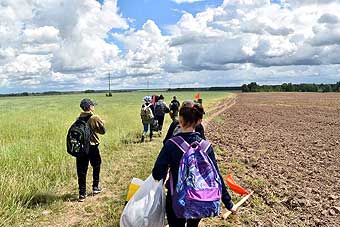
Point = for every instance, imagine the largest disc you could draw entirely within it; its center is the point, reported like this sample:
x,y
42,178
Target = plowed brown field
x,y
286,148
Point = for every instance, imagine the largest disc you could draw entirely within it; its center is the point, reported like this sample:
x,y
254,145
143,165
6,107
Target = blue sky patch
x,y
162,12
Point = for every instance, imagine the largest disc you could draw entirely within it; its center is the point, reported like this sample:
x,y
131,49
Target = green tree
x,y
327,88
245,88
253,87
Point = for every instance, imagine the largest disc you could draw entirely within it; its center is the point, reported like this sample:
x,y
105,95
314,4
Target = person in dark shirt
x,y
174,127
174,108
170,157
160,109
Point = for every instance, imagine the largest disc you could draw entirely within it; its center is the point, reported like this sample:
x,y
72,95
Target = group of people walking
x,y
187,129
185,133
153,112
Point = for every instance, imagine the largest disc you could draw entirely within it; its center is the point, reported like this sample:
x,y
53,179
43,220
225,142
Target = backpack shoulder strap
x,y
180,143
204,145
86,119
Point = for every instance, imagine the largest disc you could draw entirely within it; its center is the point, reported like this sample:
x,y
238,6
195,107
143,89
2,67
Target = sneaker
x,y
97,190
81,198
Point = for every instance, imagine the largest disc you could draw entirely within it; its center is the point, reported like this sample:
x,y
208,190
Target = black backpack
x,y
78,138
174,106
159,109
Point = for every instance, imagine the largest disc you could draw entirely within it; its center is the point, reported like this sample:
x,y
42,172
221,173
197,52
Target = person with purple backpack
x,y
195,186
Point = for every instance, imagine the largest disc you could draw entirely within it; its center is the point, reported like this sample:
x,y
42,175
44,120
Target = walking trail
x,y
74,213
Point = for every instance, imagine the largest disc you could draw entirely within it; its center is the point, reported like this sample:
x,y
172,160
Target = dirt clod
x,y
336,210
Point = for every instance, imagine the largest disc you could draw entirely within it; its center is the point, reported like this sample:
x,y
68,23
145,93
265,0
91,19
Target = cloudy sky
x,y
73,44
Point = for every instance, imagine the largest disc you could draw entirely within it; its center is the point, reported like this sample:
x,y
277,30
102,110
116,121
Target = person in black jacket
x,y
174,108
174,127
170,157
160,109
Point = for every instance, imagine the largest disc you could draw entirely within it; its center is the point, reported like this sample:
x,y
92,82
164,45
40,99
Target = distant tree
x,y
315,88
337,87
245,88
253,87
308,88
290,87
327,88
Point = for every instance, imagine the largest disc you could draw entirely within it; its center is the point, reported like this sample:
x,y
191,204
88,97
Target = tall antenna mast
x,y
109,83
110,94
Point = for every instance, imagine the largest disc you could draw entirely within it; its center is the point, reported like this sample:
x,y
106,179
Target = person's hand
x,y
233,210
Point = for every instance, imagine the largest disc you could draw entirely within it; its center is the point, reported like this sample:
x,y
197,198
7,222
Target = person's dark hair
x,y
191,112
161,97
86,103
155,97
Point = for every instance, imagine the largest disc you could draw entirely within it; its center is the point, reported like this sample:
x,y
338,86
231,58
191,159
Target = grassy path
x,y
105,208
122,159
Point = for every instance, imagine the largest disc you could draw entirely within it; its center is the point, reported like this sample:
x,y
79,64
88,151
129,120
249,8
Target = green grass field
x,y
38,176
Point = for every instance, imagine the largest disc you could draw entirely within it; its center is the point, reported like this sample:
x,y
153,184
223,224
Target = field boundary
x,y
221,107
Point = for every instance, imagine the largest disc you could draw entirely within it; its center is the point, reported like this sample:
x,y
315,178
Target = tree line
x,y
289,87
61,92
205,89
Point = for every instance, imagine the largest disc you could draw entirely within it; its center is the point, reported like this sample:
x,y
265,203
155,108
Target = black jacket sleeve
x,y
226,198
152,107
170,132
161,166
200,129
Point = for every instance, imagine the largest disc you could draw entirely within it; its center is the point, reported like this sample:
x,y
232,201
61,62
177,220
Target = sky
x,y
67,45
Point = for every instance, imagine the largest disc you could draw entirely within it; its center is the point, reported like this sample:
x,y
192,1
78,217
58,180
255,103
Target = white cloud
x,y
328,19
46,34
6,54
65,37
258,32
186,1
83,47
56,44
26,64
310,2
246,3
148,51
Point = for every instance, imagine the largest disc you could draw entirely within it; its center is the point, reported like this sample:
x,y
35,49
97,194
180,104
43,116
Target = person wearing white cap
x,y
147,116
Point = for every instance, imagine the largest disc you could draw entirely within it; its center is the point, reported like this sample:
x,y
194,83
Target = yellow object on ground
x,y
133,187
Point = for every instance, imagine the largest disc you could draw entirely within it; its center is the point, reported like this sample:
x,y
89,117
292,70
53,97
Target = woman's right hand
x,y
233,210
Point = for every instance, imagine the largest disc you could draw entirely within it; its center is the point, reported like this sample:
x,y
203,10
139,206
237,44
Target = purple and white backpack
x,y
198,190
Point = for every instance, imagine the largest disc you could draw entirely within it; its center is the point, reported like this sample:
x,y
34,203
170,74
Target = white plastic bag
x,y
147,206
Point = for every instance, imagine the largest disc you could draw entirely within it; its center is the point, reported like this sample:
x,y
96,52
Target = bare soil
x,y
288,147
